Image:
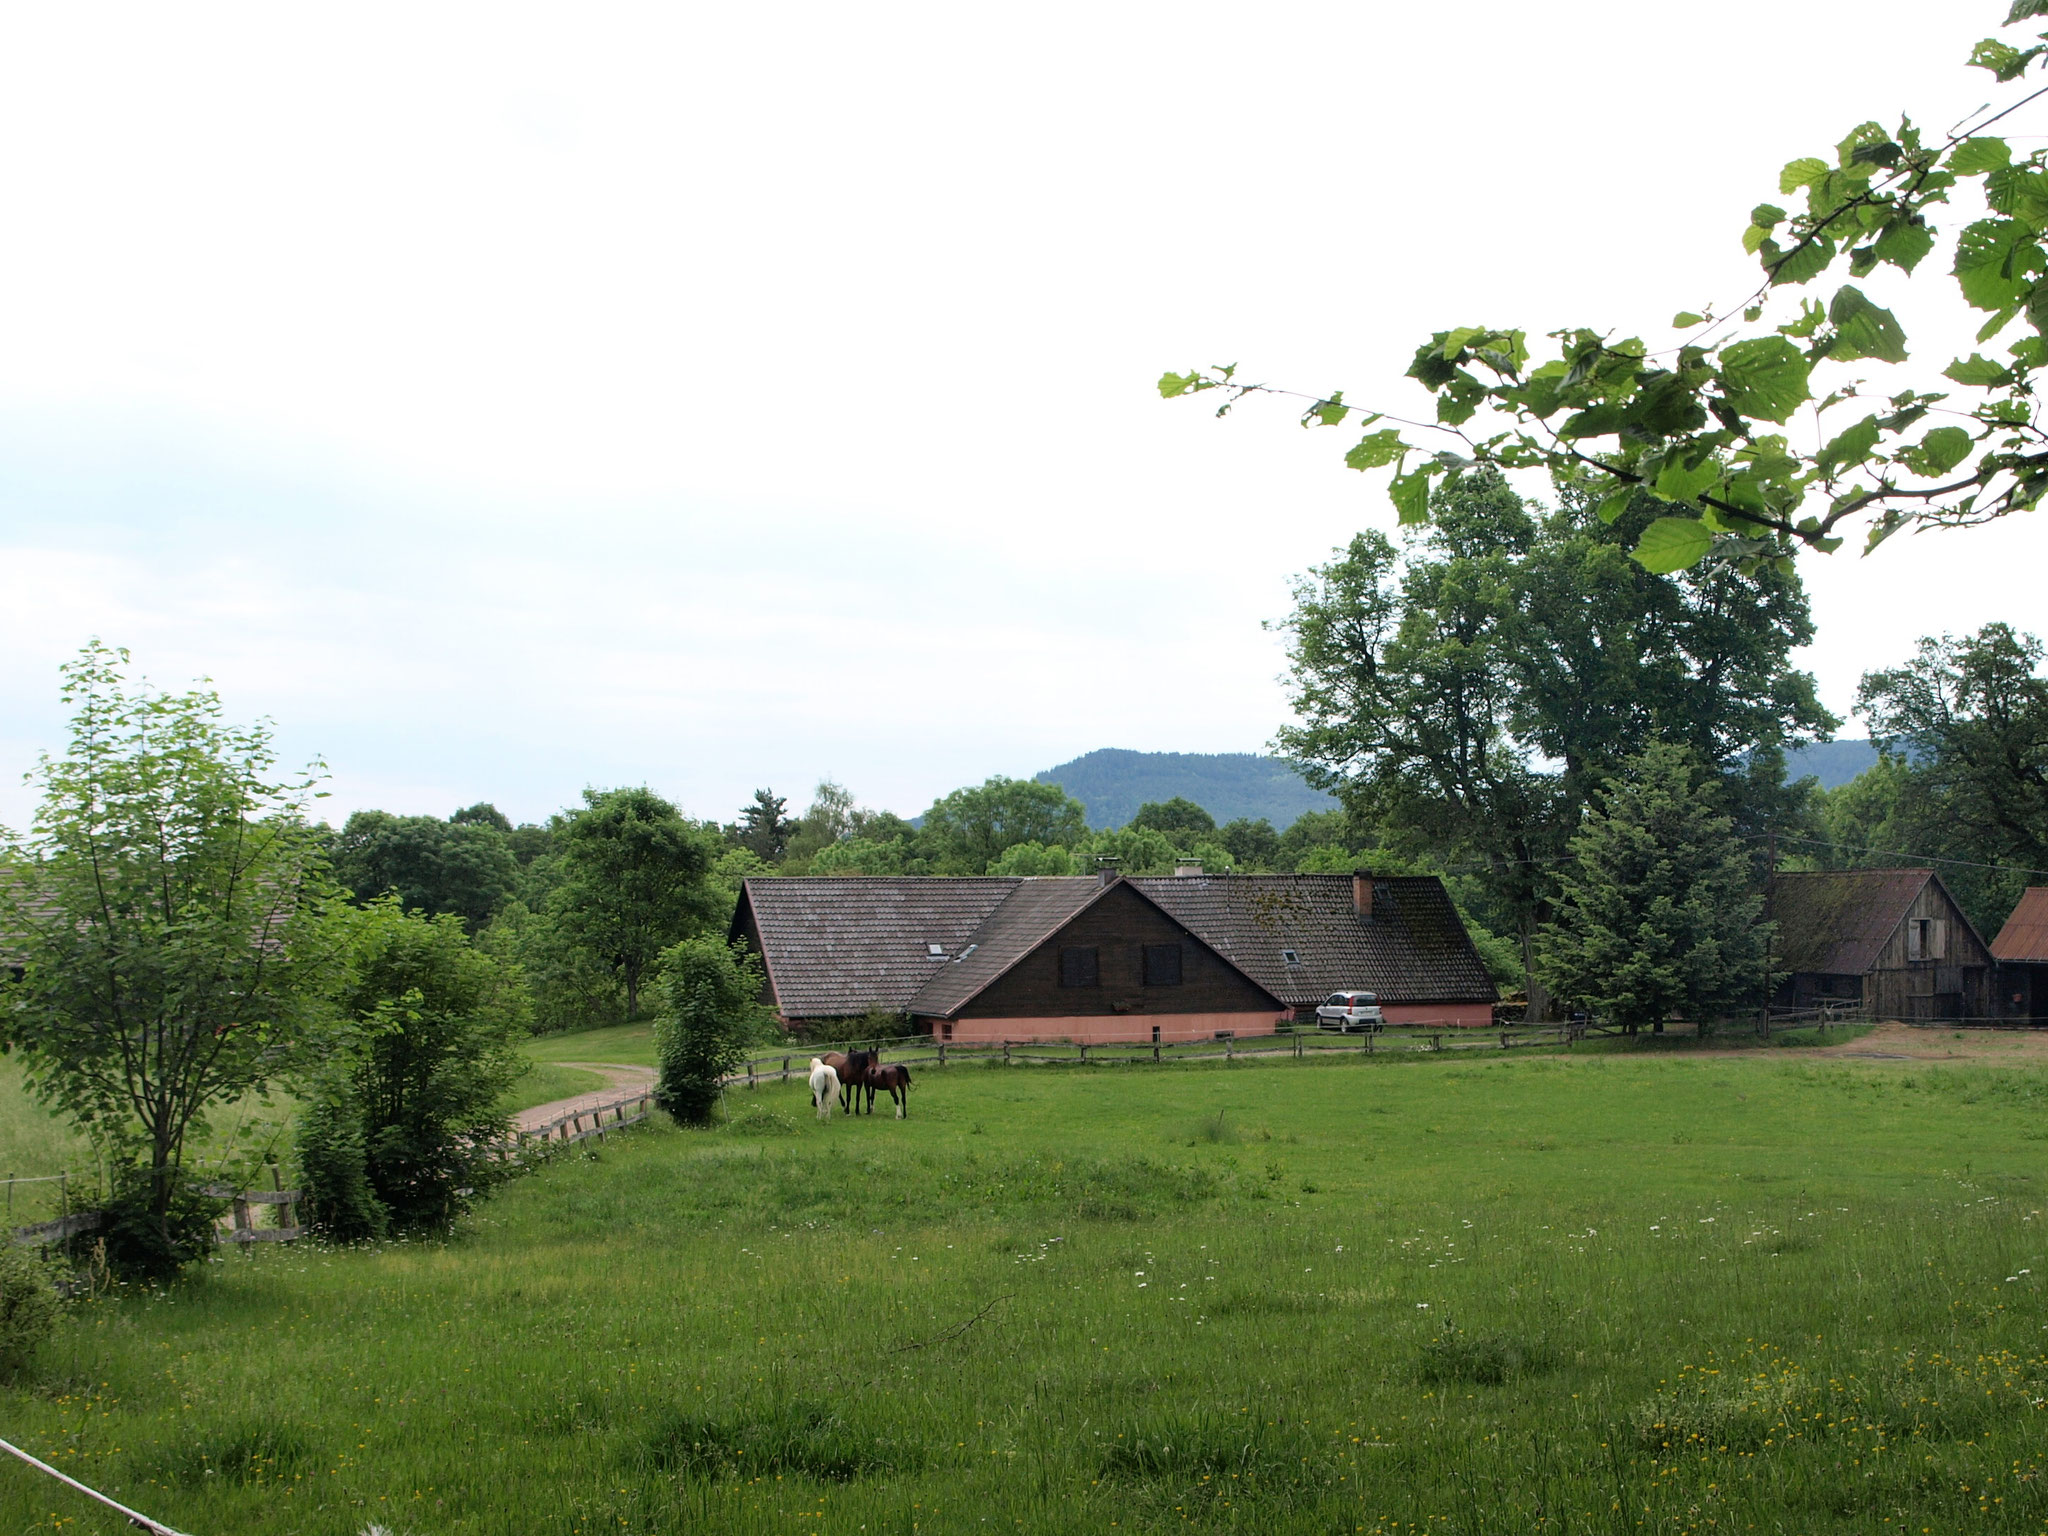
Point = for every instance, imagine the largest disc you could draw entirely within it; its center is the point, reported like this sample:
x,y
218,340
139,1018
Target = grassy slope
x,y
1239,1323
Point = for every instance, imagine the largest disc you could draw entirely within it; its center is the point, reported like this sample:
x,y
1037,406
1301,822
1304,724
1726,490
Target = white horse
x,y
824,1088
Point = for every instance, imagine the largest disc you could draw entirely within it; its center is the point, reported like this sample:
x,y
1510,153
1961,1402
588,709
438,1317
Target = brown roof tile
x,y
2025,934
1836,922
837,945
1413,949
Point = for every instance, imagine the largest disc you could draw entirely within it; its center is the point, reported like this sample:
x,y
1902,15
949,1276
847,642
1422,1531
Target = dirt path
x,y
622,1080
1903,1042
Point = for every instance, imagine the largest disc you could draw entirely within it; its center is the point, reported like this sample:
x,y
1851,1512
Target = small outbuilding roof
x,y
2025,934
1836,922
1412,949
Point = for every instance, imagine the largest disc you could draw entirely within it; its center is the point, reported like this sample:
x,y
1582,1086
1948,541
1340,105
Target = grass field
x,y
1776,1291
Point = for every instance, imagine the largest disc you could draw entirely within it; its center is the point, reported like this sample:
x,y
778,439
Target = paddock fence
x,y
582,1124
924,1051
240,1225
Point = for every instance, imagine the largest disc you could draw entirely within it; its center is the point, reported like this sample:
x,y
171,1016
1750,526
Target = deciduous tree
x,y
635,880
1701,423
177,930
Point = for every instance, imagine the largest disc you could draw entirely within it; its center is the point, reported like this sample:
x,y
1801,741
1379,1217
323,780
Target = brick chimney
x,y
1185,867
1106,870
1361,891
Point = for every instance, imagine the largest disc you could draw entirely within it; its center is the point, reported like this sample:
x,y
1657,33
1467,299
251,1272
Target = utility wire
x,y
1894,853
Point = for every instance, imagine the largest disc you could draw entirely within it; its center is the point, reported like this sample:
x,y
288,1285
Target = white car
x,y
1351,1013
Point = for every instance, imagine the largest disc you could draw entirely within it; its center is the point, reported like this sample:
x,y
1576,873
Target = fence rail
x,y
566,1129
923,1051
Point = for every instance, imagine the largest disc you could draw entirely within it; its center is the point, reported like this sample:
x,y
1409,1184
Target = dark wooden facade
x,y
1894,942
1119,928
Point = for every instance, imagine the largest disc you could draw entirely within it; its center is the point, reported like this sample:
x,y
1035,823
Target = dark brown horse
x,y
852,1067
894,1079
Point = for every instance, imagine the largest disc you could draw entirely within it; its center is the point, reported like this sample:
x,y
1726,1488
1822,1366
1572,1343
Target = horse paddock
x,y
1783,1290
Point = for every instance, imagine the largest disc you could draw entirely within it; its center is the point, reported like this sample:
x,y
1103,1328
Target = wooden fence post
x,y
1006,1062
942,1053
785,1069
750,1072
1230,1047
1084,1053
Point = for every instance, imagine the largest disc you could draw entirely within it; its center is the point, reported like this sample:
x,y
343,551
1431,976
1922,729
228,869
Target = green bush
x,y
28,1308
146,1244
711,995
334,1166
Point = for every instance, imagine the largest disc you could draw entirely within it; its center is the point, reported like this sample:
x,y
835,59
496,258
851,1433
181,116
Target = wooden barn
x,y
2021,950
1892,940
1109,959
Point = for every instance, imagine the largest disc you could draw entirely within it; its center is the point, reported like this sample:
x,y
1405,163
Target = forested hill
x,y
1834,763
1113,783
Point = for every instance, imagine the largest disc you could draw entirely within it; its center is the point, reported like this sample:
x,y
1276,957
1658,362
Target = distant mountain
x,y
1834,763
1113,783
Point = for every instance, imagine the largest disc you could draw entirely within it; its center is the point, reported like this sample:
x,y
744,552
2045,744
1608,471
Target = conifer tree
x,y
1659,911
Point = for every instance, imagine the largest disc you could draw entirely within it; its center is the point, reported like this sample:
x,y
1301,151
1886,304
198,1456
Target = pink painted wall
x,y
1444,1015
1107,1027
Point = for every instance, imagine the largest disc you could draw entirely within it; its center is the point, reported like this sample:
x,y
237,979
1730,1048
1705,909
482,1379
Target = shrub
x,y
144,1242
334,1166
711,994
28,1308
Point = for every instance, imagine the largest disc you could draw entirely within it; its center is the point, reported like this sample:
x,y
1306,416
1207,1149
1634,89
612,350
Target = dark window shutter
x,y
1162,965
1078,966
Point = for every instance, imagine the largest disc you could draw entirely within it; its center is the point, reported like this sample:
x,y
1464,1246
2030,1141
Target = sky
x,y
506,400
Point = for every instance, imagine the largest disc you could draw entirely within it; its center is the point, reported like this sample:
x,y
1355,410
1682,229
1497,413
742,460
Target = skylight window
x,y
1290,957
936,951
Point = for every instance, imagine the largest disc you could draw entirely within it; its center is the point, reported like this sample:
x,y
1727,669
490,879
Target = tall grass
x,y
1611,1294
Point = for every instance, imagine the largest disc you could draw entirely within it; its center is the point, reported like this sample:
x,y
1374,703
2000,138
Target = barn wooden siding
x,y
1117,928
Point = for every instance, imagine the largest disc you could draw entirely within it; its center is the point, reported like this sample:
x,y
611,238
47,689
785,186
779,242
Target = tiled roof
x,y
1033,912
1413,949
1836,922
837,945
2025,934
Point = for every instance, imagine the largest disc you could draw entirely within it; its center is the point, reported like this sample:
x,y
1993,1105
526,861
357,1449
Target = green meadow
x,y
1662,1291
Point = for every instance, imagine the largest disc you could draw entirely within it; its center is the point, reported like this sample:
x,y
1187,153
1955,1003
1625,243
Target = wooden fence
x,y
242,1203
569,1128
924,1051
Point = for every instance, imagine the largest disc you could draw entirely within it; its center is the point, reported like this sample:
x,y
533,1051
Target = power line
x,y
1894,853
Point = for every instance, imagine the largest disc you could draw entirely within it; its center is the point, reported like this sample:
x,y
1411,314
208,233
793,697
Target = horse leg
x,y
902,1097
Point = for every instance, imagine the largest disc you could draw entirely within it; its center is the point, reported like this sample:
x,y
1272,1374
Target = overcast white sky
x,y
508,399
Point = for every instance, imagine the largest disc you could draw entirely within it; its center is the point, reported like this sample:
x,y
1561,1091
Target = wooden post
x,y
1230,1047
1368,1042
1006,1062
750,1072
1297,1047
785,1069
241,1219
942,1053
1155,1050
1084,1053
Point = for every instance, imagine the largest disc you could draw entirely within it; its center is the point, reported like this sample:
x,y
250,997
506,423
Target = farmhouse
x,y
1893,940
2021,950
1084,958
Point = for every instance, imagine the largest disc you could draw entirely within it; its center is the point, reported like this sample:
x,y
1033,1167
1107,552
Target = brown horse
x,y
852,1067
894,1079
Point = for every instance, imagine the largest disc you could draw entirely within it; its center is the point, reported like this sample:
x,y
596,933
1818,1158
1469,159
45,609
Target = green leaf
x,y
1979,370
1410,495
1429,367
1993,258
1938,452
1862,329
1328,412
1376,449
1172,384
1673,543
1804,261
1595,421
2022,9
1904,242
1685,320
1973,157
1801,173
1679,481
1769,215
1614,503
1848,448
1765,377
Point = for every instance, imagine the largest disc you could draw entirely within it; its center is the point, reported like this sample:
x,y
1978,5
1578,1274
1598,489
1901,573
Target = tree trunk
x,y
632,969
1539,995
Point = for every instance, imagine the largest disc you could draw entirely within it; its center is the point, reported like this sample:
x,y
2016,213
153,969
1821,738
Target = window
x,y
1926,938
945,1031
1078,966
1162,965
936,951
1290,957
